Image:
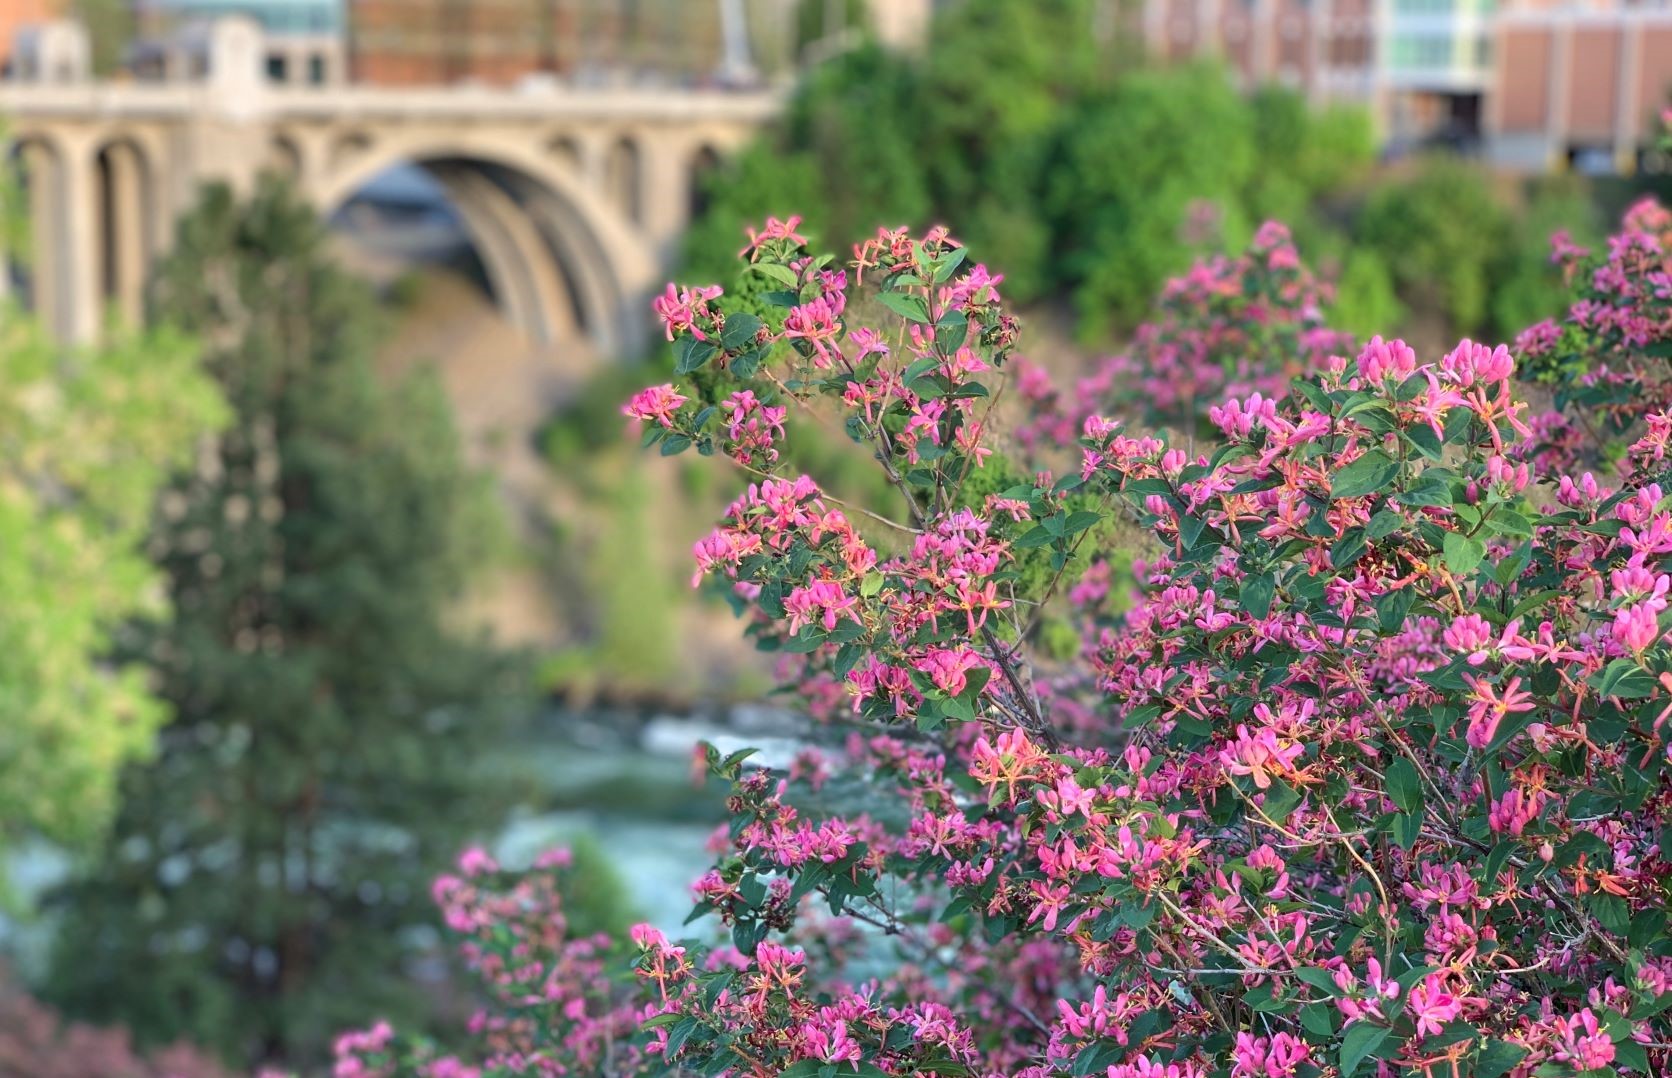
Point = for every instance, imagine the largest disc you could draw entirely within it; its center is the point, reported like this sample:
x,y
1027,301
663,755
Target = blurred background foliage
x,y
268,870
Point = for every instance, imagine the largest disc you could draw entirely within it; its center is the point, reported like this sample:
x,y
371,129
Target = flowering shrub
x,y
35,1042
1606,361
556,1010
1375,781
1230,327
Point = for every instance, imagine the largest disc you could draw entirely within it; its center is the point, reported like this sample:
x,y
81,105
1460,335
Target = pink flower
x,y
1268,1057
1261,755
1487,708
815,322
685,310
1433,1004
476,861
1636,627
1469,364
1581,1042
832,1045
647,936
774,229
1384,360
752,427
656,404
822,601
949,668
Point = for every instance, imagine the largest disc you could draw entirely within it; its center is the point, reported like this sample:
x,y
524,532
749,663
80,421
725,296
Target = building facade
x,y
302,39
15,15
1581,85
1531,84
504,42
1325,48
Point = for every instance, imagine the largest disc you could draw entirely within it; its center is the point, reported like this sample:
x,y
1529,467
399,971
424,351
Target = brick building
x,y
1580,84
1531,84
502,42
1325,48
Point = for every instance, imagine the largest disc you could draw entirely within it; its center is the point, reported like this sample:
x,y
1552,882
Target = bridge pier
x,y
123,224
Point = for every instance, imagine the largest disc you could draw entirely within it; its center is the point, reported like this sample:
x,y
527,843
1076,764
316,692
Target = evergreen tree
x,y
271,867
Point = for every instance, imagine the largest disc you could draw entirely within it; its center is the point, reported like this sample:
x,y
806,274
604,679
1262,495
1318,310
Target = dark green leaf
x,y
905,305
1358,1044
1404,785
1463,553
1366,475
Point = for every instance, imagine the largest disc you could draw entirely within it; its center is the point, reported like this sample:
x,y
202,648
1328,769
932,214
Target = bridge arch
x,y
705,164
125,198
624,177
566,150
558,257
40,276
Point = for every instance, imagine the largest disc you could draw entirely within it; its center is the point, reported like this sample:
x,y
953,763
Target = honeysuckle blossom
x,y
1364,762
656,404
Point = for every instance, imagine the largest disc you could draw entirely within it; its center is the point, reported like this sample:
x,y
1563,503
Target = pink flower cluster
x,y
1230,327
1368,774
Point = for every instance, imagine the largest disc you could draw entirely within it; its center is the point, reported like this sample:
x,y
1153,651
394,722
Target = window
x,y
1424,51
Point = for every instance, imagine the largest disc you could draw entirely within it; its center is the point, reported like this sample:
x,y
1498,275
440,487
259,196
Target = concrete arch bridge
x,y
573,199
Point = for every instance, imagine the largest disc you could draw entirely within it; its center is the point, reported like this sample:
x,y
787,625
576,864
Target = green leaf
x,y
1359,1043
1623,679
1347,549
1318,1019
1079,521
1498,1058
1404,785
1039,536
1281,799
740,330
905,305
1257,592
690,354
1407,828
679,1035
1431,489
1097,1057
777,272
802,1068
1426,441
1463,553
1319,978
1190,530
1370,473
1383,524
949,262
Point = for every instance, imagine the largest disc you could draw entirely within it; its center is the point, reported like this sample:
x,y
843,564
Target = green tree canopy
x,y
271,866
1034,131
87,437
1443,236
